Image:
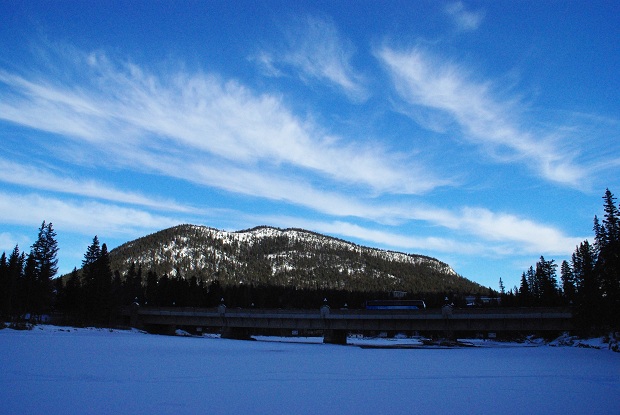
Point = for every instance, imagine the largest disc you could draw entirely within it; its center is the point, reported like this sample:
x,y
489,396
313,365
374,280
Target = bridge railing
x,y
540,313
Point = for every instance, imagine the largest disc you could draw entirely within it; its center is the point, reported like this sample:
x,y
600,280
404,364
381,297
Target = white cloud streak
x,y
428,83
80,217
8,241
398,240
525,235
198,128
126,111
479,232
37,178
464,19
316,49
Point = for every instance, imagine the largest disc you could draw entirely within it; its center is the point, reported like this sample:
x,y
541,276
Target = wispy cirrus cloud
x,y
518,233
509,234
134,114
481,232
8,241
42,179
315,48
448,93
78,216
202,129
464,19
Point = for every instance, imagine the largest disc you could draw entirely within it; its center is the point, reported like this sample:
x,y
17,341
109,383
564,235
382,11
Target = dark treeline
x,y
539,287
590,281
26,280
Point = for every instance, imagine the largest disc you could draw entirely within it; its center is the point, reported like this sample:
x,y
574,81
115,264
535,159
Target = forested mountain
x,y
197,266
284,257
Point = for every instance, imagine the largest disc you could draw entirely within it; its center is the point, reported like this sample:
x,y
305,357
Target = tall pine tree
x,y
16,276
89,278
103,276
568,281
547,281
524,291
6,289
43,253
586,283
607,269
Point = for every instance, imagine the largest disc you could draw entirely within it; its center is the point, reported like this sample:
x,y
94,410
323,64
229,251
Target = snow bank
x,y
609,342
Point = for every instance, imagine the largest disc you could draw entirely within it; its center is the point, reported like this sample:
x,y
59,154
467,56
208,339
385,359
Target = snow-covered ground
x,y
51,370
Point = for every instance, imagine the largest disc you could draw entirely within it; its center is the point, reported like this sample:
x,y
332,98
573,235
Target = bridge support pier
x,y
236,333
134,318
334,336
446,312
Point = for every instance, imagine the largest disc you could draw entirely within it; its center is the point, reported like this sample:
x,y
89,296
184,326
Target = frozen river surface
x,y
87,371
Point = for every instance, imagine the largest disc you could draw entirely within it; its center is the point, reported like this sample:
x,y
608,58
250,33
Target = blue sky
x,y
480,133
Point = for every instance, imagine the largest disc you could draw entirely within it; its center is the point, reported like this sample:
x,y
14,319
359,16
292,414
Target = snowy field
x,y
51,370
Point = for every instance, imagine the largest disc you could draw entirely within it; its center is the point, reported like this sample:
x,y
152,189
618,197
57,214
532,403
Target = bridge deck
x,y
446,320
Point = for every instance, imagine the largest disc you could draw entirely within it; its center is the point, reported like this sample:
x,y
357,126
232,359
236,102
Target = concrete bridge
x,y
335,324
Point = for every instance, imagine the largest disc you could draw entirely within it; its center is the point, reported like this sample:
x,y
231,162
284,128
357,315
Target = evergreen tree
x,y
568,281
16,277
103,280
532,283
608,261
540,286
599,233
586,284
95,285
93,252
583,262
27,285
44,250
547,280
6,289
73,298
612,218
43,254
524,289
